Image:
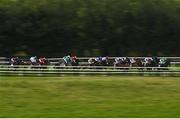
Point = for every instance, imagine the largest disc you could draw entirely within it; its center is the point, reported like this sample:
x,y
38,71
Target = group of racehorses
x,y
117,62
18,61
131,62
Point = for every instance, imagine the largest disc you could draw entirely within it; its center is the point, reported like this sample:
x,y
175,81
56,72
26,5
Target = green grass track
x,y
93,96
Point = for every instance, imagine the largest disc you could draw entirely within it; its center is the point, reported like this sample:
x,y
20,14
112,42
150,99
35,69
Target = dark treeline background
x,y
90,27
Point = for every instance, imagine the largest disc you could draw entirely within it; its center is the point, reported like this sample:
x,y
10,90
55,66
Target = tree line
x,y
90,27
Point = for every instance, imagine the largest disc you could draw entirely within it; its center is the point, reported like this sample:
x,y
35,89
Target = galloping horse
x,y
43,61
136,62
151,62
148,62
164,63
102,62
93,62
74,61
122,62
69,61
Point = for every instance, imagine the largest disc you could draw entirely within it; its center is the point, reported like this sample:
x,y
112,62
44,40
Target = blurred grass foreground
x,y
83,96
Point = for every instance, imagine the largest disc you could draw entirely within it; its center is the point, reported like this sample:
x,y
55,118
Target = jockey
x,y
15,61
104,58
148,59
156,61
162,62
67,60
90,61
42,61
74,57
33,60
127,60
98,59
132,60
117,60
74,60
122,59
148,62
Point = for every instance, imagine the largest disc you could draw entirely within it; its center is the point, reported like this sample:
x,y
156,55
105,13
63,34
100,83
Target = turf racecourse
x,y
93,96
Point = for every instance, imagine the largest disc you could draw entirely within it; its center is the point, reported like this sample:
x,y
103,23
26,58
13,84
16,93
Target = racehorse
x,y
93,62
148,63
43,62
164,63
62,63
18,62
137,62
167,64
74,62
151,62
119,62
107,62
71,62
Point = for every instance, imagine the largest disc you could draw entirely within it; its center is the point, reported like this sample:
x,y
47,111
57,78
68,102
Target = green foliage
x,y
114,27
